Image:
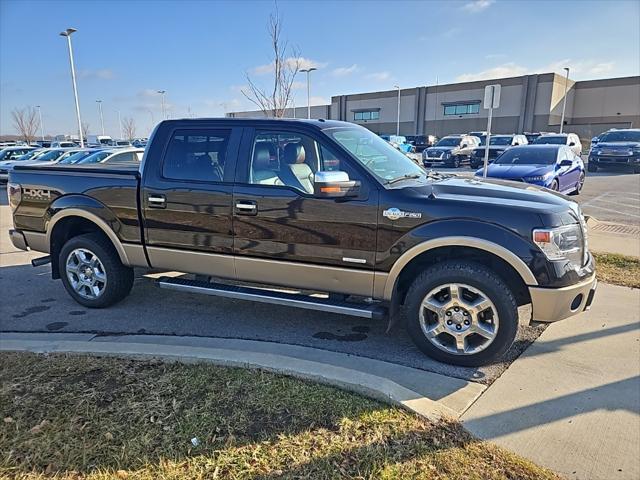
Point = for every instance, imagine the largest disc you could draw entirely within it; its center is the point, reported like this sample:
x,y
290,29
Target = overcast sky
x,y
199,51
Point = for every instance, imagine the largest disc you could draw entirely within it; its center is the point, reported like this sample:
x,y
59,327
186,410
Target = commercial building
x,y
529,103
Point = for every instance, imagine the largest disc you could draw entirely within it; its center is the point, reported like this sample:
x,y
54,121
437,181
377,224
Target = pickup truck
x,y
327,208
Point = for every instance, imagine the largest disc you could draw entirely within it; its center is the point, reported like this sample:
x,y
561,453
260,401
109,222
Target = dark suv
x,y
616,148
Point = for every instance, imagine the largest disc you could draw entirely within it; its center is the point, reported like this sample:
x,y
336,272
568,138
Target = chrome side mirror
x,y
334,184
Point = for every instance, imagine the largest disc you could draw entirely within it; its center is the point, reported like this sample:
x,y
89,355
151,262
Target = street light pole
x,y
99,102
164,114
308,71
398,120
120,123
564,101
41,124
67,33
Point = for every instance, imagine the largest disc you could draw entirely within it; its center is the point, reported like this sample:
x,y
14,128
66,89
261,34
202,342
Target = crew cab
x,y
327,208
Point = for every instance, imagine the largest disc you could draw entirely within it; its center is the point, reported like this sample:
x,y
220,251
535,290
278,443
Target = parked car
x,y
555,167
10,155
44,143
249,200
76,156
616,148
63,144
420,142
497,145
139,142
121,143
50,155
450,151
114,155
481,134
100,140
569,139
399,142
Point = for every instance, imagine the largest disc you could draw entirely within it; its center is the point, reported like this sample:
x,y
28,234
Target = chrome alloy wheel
x,y
458,319
86,273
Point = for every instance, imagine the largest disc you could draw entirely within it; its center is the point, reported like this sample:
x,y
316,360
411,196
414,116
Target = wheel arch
x,y
71,222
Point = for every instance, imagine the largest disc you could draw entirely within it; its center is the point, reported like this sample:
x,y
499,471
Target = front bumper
x,y
18,240
553,304
613,160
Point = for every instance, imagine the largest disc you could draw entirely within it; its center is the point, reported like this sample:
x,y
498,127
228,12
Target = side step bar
x,y
374,312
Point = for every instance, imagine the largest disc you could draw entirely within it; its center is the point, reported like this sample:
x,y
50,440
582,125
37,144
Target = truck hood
x,y
616,145
441,149
495,193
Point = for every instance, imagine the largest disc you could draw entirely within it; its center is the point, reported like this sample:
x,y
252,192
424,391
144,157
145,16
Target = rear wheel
x,y
462,313
92,272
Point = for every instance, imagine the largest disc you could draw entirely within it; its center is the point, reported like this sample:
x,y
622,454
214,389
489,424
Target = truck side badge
x,y
396,213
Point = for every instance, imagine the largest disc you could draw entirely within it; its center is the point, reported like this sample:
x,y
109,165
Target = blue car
x,y
555,167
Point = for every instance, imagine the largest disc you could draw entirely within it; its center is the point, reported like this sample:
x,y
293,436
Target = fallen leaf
x,y
40,426
108,436
122,474
8,420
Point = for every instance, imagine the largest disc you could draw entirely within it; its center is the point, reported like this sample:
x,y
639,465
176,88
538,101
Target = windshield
x,y
620,137
449,142
377,156
500,140
527,156
94,158
550,140
28,155
74,158
49,156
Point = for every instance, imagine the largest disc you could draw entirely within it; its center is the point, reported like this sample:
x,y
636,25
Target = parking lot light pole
x,y
398,121
99,102
308,71
41,124
164,114
564,100
67,33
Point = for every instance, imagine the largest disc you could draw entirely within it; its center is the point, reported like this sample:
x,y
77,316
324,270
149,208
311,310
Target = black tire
x,y
456,163
119,278
636,169
554,185
476,276
592,167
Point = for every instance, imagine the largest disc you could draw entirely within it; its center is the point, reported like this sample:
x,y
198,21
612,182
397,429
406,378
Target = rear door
x,y
284,235
186,199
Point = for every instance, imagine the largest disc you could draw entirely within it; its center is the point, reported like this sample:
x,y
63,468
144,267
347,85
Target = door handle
x,y
156,201
246,208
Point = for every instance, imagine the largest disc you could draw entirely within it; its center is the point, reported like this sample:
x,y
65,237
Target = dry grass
x,y
106,418
618,269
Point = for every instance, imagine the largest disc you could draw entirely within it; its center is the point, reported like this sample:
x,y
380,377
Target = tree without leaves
x,y
85,130
26,122
285,68
129,128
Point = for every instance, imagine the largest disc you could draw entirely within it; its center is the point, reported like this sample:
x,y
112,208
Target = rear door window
x,y
196,155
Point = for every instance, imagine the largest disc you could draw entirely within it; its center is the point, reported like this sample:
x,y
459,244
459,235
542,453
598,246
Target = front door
x,y
286,236
187,201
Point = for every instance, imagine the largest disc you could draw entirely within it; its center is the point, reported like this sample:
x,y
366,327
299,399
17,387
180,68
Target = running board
x,y
375,312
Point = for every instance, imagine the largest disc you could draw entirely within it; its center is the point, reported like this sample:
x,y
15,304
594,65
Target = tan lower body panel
x,y
135,255
37,241
305,276
553,304
201,263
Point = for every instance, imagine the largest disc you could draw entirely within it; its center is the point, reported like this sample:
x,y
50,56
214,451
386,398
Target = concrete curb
x,y
427,394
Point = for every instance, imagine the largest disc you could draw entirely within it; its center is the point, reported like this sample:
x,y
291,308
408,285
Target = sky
x,y
200,52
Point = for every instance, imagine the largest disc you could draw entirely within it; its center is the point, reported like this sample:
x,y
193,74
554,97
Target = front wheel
x,y
592,167
92,272
456,162
462,313
554,186
579,185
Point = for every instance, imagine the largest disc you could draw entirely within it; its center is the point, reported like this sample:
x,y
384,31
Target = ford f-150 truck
x,y
322,207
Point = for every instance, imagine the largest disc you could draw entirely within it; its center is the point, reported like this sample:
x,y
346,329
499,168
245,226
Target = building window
x,y
462,108
366,115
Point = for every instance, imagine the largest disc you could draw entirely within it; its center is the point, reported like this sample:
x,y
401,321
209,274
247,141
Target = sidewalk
x,y
606,237
571,402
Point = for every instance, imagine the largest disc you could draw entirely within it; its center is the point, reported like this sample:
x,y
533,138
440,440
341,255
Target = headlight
x,y
447,154
561,243
539,178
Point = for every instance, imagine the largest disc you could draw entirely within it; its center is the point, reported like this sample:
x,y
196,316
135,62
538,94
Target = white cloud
x,y
319,101
100,74
379,76
303,63
344,71
476,6
579,68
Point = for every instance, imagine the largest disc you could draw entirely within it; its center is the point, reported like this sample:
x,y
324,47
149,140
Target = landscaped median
x,y
618,269
75,416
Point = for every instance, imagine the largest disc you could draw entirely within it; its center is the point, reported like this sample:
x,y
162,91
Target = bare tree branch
x,y
85,130
26,122
285,64
129,128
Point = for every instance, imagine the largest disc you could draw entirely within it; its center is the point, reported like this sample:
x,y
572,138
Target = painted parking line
x,y
627,214
616,202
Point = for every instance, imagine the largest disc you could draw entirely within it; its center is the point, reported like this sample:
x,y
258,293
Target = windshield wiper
x,y
403,177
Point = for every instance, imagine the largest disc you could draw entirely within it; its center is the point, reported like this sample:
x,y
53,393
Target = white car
x,y
10,155
114,155
571,140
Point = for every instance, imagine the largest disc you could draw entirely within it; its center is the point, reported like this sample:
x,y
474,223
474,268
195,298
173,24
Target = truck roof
x,y
320,124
